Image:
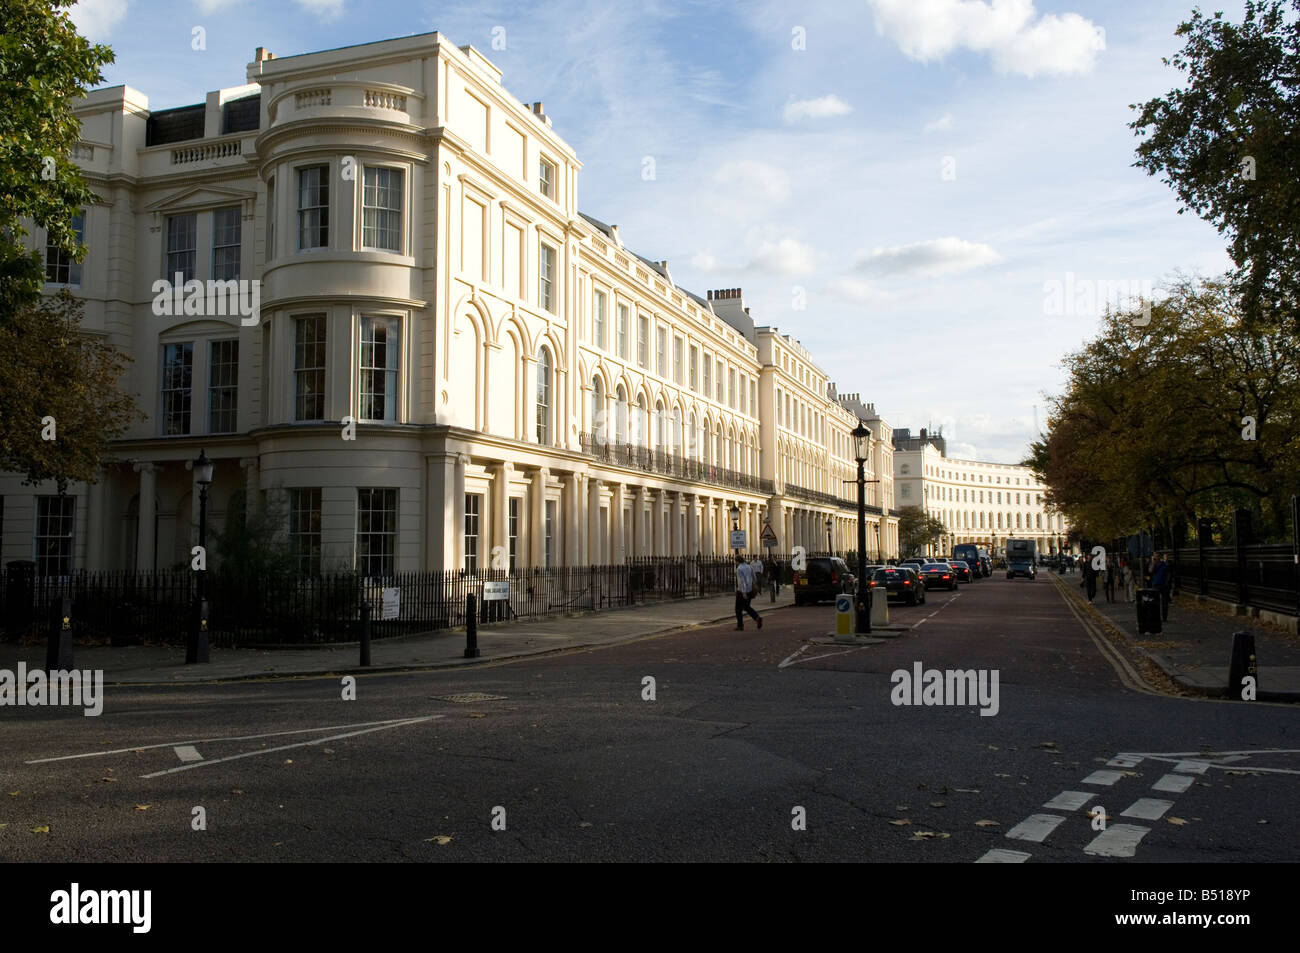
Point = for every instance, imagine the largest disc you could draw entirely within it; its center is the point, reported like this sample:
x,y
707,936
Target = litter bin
x,y
1148,610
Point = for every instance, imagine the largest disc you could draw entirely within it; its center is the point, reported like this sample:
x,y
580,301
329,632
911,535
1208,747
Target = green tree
x,y
45,65
254,543
59,403
1226,143
917,529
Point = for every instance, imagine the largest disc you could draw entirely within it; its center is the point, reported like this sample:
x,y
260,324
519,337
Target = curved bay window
x,y
598,410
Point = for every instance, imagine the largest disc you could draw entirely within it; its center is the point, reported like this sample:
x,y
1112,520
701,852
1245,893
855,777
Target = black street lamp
x,y
735,522
196,649
830,549
862,448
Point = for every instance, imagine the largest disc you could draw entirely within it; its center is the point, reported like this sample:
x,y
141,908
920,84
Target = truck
x,y
1022,558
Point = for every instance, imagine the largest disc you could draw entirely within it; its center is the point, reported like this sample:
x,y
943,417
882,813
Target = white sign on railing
x,y
392,603
496,591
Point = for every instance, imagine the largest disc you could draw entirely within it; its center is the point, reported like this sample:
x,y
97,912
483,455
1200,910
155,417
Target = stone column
x,y
593,522
617,550
501,512
693,525
144,549
678,545
95,523
537,527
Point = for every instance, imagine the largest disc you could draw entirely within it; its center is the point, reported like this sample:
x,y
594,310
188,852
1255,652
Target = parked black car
x,y
825,577
899,582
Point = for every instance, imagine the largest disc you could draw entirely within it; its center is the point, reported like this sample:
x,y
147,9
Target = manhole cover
x,y
468,697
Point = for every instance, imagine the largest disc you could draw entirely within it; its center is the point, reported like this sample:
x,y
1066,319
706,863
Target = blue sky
x,y
916,174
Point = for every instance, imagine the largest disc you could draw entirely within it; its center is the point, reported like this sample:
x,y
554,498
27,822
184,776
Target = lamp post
x,y
735,522
862,448
830,548
196,649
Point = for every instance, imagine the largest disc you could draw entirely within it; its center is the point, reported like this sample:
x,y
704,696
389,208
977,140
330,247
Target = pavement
x,y
445,648
1194,646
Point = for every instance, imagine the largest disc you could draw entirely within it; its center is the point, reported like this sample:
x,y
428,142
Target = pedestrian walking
x,y
745,594
1162,579
1108,582
1126,579
1089,577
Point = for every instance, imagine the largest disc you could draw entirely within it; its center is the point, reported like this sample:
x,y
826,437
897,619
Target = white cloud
x,y
706,262
1013,34
328,9
857,291
215,6
95,19
785,257
939,256
941,124
820,108
755,180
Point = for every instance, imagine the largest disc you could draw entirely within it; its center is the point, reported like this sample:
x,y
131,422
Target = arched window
x,y
598,409
679,447
544,396
620,414
660,427
640,432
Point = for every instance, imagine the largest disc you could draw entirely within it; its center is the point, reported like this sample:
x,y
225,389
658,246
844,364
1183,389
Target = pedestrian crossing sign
x,y
767,536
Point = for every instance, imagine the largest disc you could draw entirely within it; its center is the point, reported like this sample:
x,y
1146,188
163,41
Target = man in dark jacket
x,y
1162,578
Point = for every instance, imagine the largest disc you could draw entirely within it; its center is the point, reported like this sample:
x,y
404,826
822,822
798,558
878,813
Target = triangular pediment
x,y
200,197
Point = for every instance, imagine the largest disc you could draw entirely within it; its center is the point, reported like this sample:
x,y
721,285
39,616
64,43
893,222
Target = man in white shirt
x,y
745,593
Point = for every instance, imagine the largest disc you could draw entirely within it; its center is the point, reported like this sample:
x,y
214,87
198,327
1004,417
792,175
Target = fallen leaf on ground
x,y
108,779
142,807
13,793
477,714
236,791
1046,744
1176,820
994,748
987,823
901,822
967,790
439,839
900,807
1001,775
1263,822
41,830
922,835
585,824
288,760
936,803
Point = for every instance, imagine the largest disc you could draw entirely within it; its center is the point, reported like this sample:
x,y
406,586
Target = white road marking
x,y
1118,840
790,658
1191,767
1147,809
1103,777
1226,759
188,753
1070,800
1000,856
300,744
1124,761
1173,783
1035,827
202,741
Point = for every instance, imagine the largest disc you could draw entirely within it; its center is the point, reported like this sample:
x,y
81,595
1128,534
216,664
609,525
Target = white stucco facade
x,y
983,503
449,360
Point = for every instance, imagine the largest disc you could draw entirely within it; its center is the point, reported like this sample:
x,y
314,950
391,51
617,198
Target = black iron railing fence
x,y
157,607
1262,575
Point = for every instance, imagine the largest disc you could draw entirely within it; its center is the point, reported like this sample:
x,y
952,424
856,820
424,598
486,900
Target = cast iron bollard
x,y
471,628
365,632
58,649
1242,663
196,649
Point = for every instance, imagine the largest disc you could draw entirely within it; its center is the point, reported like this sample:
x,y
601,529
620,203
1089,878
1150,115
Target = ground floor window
x,y
304,529
56,519
512,531
376,531
550,534
473,515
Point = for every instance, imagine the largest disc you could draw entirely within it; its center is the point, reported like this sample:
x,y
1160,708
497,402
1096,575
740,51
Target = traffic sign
x,y
737,539
767,536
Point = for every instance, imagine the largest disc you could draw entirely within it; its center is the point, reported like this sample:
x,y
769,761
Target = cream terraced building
x,y
983,503
451,363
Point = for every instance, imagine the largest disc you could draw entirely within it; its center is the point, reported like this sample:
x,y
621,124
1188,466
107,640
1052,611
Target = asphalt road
x,y
747,733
